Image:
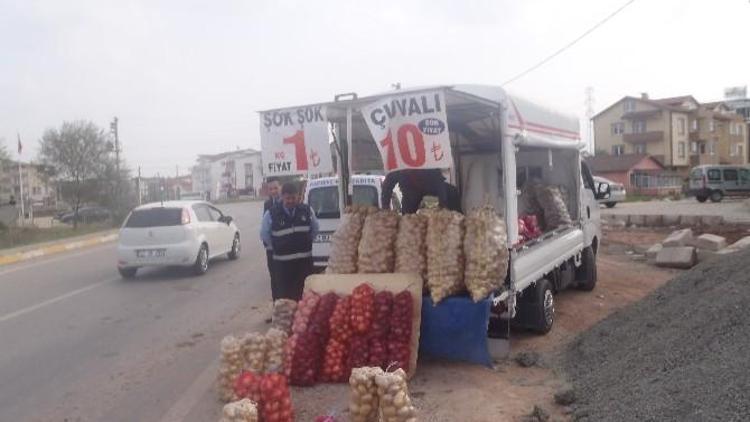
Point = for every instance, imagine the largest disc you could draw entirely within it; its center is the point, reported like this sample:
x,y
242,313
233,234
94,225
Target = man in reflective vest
x,y
274,198
290,227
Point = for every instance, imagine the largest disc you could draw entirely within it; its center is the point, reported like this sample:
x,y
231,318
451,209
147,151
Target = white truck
x,y
498,140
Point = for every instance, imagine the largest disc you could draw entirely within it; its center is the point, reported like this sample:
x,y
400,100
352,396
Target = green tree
x,y
78,154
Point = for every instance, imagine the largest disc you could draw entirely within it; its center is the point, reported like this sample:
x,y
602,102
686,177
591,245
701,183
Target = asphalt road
x,y
78,343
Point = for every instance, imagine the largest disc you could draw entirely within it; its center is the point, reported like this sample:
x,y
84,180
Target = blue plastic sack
x,y
456,329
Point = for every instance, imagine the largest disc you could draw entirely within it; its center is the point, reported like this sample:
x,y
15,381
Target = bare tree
x,y
4,156
78,153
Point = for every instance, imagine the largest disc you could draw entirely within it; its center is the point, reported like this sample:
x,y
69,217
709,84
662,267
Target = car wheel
x,y
716,196
236,247
586,273
701,198
201,262
545,307
127,272
610,204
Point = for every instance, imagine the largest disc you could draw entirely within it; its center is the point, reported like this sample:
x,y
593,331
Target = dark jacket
x,y
414,185
290,235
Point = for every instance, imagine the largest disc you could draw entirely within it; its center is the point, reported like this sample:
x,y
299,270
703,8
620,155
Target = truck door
x,y
589,207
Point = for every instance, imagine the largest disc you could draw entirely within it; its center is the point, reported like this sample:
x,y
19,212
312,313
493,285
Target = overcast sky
x,y
187,77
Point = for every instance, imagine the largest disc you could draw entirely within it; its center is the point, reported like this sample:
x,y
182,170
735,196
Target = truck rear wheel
x,y
545,307
586,273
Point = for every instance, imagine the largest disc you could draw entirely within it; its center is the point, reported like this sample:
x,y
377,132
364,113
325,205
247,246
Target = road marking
x,y
22,266
32,308
181,409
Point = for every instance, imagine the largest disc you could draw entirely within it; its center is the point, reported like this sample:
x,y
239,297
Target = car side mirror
x,y
226,219
603,190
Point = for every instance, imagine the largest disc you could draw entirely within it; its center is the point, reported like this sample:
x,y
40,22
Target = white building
x,y
228,174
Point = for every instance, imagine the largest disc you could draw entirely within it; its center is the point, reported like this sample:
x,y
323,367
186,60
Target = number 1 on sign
x,y
298,140
410,147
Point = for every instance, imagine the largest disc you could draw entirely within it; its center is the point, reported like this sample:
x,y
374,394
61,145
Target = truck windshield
x,y
325,201
155,217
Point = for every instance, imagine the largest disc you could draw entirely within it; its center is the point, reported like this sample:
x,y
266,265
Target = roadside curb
x,y
666,220
57,247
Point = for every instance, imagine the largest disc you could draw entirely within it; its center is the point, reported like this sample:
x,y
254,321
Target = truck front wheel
x,y
586,273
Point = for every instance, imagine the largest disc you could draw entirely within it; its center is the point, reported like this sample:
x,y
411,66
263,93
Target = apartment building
x,y
36,189
679,132
228,174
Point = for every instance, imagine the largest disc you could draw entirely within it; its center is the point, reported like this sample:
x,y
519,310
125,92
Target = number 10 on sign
x,y
410,147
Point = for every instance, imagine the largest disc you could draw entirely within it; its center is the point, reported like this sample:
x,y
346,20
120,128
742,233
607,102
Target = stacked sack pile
x,y
411,246
345,240
445,256
376,253
486,252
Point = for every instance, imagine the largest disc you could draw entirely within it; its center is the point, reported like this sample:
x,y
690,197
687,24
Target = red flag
x,y
20,146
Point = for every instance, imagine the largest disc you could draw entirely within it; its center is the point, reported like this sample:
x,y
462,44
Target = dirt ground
x,y
449,391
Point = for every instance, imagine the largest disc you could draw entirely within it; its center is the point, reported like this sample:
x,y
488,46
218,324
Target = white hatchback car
x,y
175,233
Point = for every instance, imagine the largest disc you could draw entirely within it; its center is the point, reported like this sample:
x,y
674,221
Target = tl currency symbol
x,y
437,151
315,158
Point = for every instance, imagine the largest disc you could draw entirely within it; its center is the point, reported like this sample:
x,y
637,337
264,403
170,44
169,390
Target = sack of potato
x,y
394,401
411,249
555,211
254,352
239,411
445,256
230,367
486,252
275,344
345,241
283,314
376,253
363,406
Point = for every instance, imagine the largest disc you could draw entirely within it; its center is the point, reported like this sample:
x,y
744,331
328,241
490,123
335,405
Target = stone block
x,y
653,251
706,255
637,220
712,220
683,237
670,220
710,242
677,257
740,244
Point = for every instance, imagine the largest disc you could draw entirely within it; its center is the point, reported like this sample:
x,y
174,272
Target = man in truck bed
x,y
415,185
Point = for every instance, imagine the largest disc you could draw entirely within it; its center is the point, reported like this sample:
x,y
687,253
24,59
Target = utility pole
x,y
138,186
113,127
589,115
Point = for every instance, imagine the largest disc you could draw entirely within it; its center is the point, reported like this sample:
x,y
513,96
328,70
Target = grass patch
x,y
12,237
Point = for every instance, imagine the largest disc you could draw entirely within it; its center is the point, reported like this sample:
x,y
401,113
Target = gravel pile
x,y
681,354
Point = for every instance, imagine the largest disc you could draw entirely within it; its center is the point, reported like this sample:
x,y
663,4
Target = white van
x,y
323,197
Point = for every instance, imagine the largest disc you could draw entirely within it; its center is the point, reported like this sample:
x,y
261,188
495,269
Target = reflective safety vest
x,y
290,234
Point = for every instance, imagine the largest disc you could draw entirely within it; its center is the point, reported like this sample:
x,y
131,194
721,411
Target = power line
x,y
570,44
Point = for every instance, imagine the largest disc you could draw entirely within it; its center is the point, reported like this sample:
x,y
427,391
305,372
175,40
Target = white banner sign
x,y
295,141
411,131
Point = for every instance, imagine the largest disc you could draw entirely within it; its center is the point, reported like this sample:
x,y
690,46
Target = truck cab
x,y
322,195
